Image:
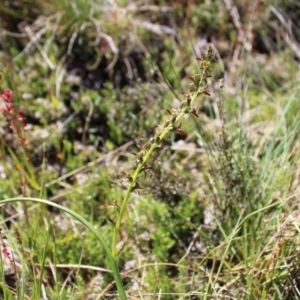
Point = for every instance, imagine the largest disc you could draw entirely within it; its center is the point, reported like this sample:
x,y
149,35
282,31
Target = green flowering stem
x,y
198,87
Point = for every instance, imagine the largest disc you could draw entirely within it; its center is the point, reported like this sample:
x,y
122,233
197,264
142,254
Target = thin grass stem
x,y
90,227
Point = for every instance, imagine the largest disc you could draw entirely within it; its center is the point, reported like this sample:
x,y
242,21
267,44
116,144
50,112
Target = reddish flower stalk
x,y
14,118
7,254
16,121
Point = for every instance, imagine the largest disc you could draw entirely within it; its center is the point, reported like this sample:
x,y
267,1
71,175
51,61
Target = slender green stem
x,y
184,109
89,226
